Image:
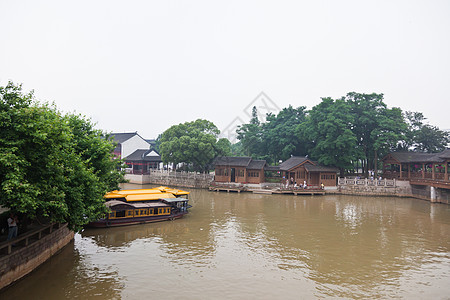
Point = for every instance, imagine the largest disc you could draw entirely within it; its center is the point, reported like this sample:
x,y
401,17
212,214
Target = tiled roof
x,y
141,155
292,162
444,154
232,161
271,168
410,157
256,164
122,137
313,168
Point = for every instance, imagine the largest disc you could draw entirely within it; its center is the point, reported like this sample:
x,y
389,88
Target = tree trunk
x,y
375,164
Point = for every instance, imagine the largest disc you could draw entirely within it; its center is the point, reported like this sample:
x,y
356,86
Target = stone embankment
x,y
22,255
395,188
181,179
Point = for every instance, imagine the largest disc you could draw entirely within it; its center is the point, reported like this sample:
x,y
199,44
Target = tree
x,y
193,143
388,133
329,127
52,166
250,135
423,137
280,133
372,127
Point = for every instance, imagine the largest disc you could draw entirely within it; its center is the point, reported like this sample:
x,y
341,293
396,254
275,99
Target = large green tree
x,y
280,134
423,137
193,143
329,127
52,166
250,136
378,129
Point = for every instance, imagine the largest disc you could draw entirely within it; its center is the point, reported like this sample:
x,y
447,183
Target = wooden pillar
x,y
423,170
433,166
409,171
446,171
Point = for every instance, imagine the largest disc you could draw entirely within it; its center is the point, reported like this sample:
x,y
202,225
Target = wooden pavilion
x,y
414,165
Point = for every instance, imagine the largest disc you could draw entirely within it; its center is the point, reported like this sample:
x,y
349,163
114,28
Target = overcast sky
x,y
146,65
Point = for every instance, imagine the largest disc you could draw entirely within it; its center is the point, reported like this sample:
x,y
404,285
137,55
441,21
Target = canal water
x,y
248,246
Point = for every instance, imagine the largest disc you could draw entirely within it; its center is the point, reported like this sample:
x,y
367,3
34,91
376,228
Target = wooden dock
x,y
298,192
226,189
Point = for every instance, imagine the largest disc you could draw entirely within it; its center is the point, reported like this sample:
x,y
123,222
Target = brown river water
x,y
248,246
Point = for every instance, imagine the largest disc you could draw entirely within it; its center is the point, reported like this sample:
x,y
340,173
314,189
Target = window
x,y
221,172
327,176
120,214
253,174
241,173
150,211
111,215
136,212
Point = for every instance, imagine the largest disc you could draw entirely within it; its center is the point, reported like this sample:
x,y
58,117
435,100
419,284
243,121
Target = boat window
x,y
143,212
150,211
120,214
111,214
136,212
130,213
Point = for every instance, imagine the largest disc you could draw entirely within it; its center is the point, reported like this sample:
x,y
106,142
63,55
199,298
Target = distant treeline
x,y
350,132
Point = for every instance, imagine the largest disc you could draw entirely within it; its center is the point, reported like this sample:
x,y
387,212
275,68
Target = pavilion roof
x,y
317,168
420,157
141,155
256,164
292,162
445,154
235,161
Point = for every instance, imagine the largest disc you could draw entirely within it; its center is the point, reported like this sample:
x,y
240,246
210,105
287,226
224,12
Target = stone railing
x,y
170,178
26,252
367,182
26,238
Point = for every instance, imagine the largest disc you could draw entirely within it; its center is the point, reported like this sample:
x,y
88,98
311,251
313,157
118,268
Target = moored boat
x,y
128,207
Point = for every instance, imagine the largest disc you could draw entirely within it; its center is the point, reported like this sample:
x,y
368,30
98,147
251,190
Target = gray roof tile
x,y
292,162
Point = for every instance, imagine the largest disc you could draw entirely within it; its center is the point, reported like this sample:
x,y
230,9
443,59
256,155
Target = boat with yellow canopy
x,y
128,207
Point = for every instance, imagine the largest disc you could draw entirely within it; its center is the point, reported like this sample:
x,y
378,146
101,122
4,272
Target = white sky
x,y
146,65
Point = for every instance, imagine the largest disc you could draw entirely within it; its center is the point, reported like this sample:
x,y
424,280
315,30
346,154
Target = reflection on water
x,y
259,246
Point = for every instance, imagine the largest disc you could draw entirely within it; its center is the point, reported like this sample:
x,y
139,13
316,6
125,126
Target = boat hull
x,y
134,221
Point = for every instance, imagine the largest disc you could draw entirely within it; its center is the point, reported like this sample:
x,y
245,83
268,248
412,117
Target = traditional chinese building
x,y
142,161
300,169
239,170
248,170
414,165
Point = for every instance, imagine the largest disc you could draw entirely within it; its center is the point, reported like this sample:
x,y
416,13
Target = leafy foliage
x,y
355,129
280,133
193,143
250,135
329,126
52,166
423,137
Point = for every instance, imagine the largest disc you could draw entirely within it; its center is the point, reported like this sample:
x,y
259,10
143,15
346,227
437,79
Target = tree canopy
x,y
355,129
53,166
194,143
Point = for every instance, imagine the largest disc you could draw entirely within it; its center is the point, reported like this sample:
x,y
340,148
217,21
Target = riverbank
x,y
22,255
345,186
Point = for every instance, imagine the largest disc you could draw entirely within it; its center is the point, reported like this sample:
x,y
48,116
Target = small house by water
x,y
248,170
